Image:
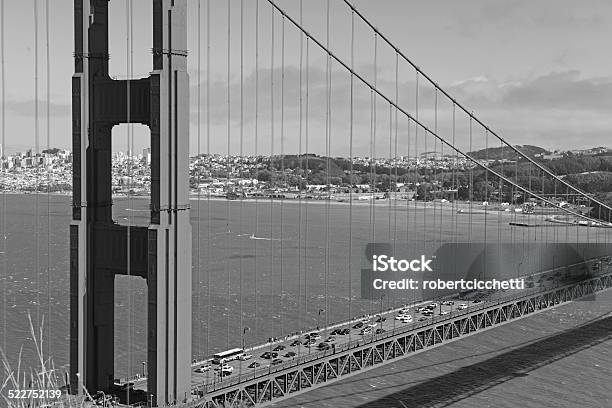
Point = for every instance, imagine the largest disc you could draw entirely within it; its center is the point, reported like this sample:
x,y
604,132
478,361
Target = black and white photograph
x,y
305,203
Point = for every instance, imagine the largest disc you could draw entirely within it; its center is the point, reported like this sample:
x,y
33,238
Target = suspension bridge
x,y
253,294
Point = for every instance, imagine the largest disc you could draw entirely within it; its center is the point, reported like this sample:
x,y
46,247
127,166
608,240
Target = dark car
x,y
344,332
476,300
358,325
295,343
267,355
335,332
277,361
380,319
290,354
279,348
254,364
324,346
422,319
380,331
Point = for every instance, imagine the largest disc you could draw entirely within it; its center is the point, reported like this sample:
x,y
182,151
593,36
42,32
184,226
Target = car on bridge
x,y
203,368
462,306
324,346
290,354
344,332
295,343
277,361
448,303
280,347
366,330
245,356
269,355
313,336
254,364
358,325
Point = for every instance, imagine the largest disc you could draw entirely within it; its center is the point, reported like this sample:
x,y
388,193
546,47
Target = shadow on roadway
x,y
462,383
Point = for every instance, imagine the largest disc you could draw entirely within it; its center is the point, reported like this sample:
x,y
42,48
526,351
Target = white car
x,y
245,356
203,368
402,316
406,319
372,324
444,312
462,306
225,367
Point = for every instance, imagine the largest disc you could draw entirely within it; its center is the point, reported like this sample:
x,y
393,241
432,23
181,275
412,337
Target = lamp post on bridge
x,y
246,329
319,318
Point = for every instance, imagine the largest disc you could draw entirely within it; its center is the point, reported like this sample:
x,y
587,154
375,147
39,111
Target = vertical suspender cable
x,y
393,181
436,187
129,61
255,271
455,187
282,158
350,231
3,236
486,199
471,187
48,117
199,177
228,171
306,129
407,189
327,164
241,162
208,159
372,156
299,249
36,165
271,271
441,173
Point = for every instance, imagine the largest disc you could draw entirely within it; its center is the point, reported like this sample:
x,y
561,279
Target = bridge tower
x,y
159,253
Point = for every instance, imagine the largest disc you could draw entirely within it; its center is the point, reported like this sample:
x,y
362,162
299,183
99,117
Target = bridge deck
x,y
287,380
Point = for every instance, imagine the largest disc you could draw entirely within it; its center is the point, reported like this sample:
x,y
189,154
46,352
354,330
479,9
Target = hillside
x,y
499,153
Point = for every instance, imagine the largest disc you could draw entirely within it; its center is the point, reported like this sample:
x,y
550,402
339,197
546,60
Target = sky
x,y
536,72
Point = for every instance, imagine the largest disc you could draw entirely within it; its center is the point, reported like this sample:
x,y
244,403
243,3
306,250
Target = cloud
x,y
519,15
554,91
559,109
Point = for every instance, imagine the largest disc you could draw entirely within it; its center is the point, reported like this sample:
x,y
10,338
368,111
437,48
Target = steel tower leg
x,y
160,253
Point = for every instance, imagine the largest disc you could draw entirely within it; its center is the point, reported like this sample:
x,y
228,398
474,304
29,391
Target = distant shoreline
x,y
448,205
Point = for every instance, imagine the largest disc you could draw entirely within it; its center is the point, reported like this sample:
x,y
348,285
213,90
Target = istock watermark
x,y
383,263
408,271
